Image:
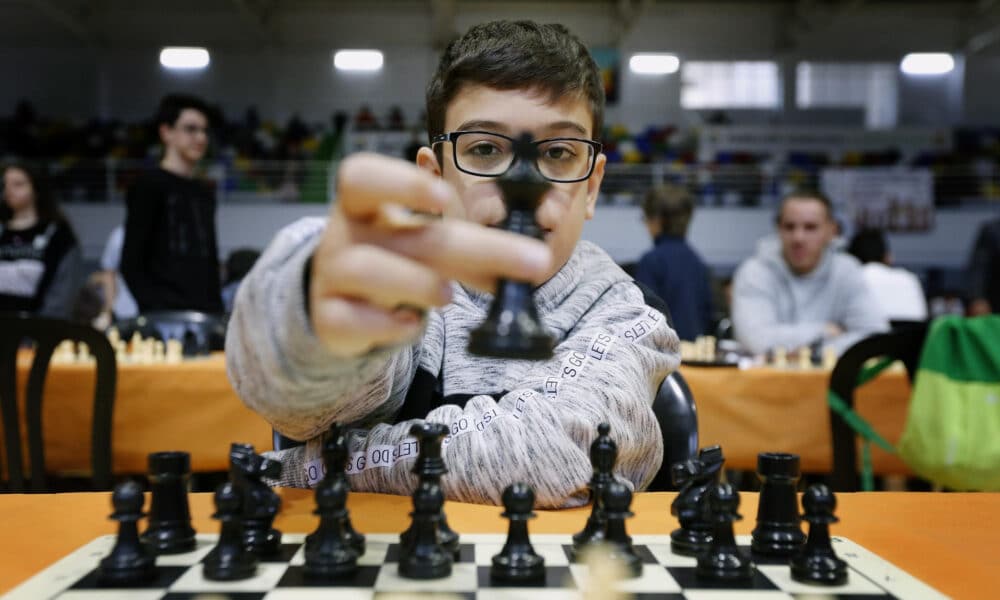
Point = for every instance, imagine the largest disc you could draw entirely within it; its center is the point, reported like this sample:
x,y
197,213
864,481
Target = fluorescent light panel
x,y
188,58
927,63
357,60
654,64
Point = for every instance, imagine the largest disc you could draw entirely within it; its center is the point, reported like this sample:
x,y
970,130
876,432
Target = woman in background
x,y
40,259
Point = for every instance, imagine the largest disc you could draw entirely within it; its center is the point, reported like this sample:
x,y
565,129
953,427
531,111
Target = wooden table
x,y
192,407
950,541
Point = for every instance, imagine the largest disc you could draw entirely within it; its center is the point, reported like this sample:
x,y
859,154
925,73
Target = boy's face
x,y
805,228
509,112
188,136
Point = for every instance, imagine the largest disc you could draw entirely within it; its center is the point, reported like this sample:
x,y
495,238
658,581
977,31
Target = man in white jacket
x,y
798,291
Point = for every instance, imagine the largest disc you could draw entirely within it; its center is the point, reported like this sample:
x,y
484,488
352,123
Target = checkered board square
x,y
665,575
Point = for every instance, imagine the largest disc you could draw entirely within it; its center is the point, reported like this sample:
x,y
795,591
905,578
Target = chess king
x,y
359,305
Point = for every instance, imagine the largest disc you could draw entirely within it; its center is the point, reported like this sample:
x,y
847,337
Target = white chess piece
x,y
780,357
175,352
83,353
805,358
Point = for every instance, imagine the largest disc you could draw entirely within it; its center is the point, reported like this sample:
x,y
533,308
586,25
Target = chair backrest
x,y
904,344
47,334
199,332
675,411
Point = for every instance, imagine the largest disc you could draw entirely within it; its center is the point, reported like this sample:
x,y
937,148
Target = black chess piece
x,y
425,557
779,530
230,559
130,561
617,501
329,551
517,561
723,561
335,455
603,456
693,478
430,467
260,503
512,329
169,530
817,563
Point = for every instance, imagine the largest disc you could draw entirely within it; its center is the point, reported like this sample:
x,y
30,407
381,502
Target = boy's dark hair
x,y
172,105
45,203
514,55
869,245
805,194
672,206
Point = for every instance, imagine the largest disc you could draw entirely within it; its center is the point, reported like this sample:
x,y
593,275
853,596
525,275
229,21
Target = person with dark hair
x,y
797,290
364,318
40,259
984,271
170,257
672,269
897,291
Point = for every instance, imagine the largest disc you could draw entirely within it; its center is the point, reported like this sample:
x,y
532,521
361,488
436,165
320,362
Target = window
x,y
871,86
742,84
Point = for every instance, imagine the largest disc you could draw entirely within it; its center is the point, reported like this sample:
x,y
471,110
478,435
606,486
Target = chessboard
x,y
665,575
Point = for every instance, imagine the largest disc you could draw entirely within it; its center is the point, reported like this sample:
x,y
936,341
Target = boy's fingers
x,y
470,252
367,181
383,278
352,327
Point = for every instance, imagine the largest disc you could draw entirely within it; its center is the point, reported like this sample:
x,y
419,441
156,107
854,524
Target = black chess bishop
x,y
429,468
603,456
335,455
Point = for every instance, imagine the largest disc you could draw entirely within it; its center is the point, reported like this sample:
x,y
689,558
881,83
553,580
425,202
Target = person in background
x,y
672,269
238,264
118,302
984,271
40,259
170,257
798,290
897,290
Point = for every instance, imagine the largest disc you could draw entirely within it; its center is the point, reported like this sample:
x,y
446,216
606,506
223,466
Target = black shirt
x,y
29,261
170,253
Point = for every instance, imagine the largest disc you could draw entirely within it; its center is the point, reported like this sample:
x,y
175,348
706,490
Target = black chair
x,y
200,333
675,411
47,334
903,343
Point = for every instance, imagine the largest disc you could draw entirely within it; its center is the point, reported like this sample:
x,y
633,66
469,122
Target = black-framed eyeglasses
x,y
488,154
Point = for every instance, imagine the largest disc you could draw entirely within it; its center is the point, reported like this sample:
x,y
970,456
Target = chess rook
x,y
778,531
169,530
512,329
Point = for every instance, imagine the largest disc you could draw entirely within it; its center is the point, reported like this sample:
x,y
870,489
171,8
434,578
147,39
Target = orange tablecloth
x,y
188,406
785,410
949,541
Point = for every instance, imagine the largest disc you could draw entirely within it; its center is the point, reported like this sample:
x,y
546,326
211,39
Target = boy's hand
x,y
376,268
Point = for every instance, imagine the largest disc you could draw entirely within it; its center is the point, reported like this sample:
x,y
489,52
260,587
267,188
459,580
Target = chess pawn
x,y
778,531
130,561
780,357
723,561
121,352
805,358
817,563
230,560
174,353
169,530
512,328
829,358
425,557
517,561
329,553
617,501
603,456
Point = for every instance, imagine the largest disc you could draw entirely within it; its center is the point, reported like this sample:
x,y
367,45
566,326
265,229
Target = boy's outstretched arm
x,y
314,322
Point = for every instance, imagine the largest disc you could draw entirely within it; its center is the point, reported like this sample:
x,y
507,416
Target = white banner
x,y
888,198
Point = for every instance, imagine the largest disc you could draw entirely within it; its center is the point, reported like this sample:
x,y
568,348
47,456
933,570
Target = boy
x,y
356,320
170,256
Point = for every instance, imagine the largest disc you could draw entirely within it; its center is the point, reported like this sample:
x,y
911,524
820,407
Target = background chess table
x,y
949,541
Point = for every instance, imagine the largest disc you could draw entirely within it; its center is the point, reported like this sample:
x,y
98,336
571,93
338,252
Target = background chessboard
x,y
665,575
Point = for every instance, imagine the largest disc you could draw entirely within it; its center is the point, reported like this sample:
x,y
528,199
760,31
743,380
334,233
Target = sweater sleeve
x,y
540,433
755,315
140,221
280,368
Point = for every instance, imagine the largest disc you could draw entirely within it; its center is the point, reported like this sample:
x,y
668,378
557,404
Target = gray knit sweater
x,y
510,420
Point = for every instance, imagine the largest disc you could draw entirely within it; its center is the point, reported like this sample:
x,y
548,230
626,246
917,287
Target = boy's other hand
x,y
381,262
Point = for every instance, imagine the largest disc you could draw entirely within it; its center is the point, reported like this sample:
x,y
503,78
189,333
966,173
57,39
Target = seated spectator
x,y
797,291
672,269
898,291
984,271
40,260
